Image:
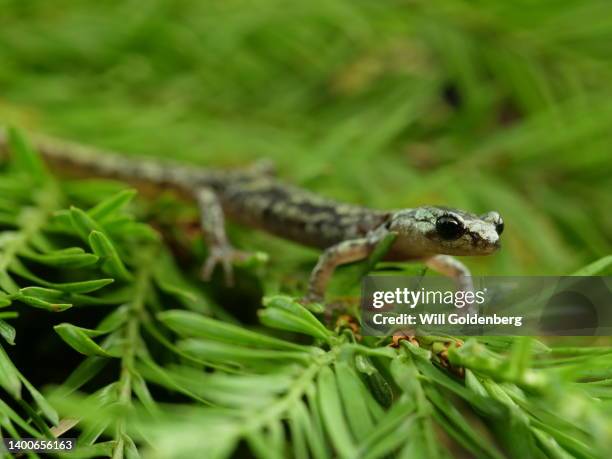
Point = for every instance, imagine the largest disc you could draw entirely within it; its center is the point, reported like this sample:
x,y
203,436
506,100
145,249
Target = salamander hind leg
x,y
221,251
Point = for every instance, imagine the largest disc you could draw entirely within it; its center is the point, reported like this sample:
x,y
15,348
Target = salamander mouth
x,y
483,244
493,247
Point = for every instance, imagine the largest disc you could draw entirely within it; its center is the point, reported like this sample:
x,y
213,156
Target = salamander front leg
x,y
213,225
339,254
453,268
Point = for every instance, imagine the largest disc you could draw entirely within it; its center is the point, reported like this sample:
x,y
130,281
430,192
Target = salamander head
x,y
427,231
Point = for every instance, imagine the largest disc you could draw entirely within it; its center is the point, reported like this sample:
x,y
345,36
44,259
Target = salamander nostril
x,y
496,219
499,226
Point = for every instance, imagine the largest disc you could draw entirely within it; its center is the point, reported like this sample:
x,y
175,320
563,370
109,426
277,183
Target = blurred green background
x,y
480,105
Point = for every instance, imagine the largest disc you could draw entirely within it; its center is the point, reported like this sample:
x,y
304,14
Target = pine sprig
x,y
322,400
87,250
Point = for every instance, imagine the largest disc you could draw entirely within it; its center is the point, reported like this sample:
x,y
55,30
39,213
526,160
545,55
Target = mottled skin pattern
x,y
254,197
295,214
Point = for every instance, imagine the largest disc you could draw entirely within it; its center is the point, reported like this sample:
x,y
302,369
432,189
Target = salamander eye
x,y
499,226
449,228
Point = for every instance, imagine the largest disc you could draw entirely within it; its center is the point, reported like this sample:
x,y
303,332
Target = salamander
x,y
255,197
